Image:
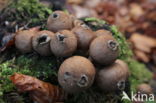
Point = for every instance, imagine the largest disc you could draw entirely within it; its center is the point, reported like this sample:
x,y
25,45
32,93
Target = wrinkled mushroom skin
x,y
102,32
63,44
104,50
84,35
76,74
59,20
23,41
41,42
112,78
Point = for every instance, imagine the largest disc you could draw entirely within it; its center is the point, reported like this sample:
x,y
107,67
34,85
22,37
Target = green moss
x,y
45,68
98,21
26,12
34,66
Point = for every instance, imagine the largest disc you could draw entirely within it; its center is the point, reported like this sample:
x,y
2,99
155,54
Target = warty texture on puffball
x,y
41,42
23,40
59,20
104,50
113,77
102,32
84,35
76,74
63,43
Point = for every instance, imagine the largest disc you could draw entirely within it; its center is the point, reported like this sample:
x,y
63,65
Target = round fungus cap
x,y
84,35
23,41
41,42
104,50
113,77
59,20
63,44
76,74
102,32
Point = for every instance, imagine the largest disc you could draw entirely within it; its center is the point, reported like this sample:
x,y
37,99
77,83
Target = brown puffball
x,y
144,89
122,63
112,78
104,50
63,44
41,42
76,74
102,32
84,35
23,40
59,20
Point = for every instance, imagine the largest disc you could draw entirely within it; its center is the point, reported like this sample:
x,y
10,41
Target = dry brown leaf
x,y
141,56
81,12
92,3
143,46
136,11
107,11
143,43
75,2
40,92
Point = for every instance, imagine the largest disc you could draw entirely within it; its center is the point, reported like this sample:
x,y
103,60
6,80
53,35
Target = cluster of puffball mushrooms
x,y
66,36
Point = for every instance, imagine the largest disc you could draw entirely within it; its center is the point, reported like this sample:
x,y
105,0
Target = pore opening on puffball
x,y
43,39
83,82
55,15
112,45
121,85
61,37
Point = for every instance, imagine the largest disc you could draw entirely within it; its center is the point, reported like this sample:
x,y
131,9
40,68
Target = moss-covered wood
x,y
45,68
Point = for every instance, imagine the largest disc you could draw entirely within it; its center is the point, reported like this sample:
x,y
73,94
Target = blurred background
x,y
136,19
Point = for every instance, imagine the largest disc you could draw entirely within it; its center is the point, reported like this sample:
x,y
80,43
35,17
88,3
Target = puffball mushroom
x,y
41,42
84,35
23,40
102,32
104,50
59,20
63,44
113,77
76,74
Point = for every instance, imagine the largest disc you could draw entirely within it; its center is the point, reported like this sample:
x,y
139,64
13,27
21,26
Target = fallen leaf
x,y
142,42
75,2
136,11
143,46
40,92
141,56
